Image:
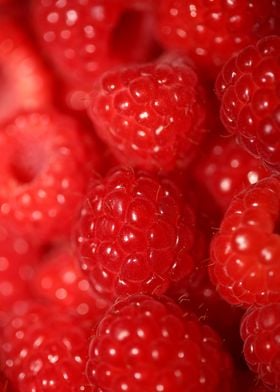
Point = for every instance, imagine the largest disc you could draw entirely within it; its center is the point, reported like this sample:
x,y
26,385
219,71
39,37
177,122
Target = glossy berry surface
x,y
250,101
245,252
211,31
25,83
59,279
44,168
86,38
135,234
153,115
260,330
43,350
224,169
149,344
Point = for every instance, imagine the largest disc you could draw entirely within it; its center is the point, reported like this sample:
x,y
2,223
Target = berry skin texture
x,y
211,31
260,330
44,350
153,115
135,234
245,253
250,101
25,84
59,279
224,169
149,344
86,38
44,168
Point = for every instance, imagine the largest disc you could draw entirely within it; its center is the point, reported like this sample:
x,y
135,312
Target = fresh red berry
x,y
44,168
250,101
25,84
152,115
59,279
86,38
224,169
211,31
260,330
245,253
135,234
149,344
44,350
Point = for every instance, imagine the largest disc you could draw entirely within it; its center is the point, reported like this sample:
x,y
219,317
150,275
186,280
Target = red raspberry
x,y
260,331
250,100
43,167
224,169
245,253
24,81
153,115
58,279
149,344
135,234
43,349
85,38
211,31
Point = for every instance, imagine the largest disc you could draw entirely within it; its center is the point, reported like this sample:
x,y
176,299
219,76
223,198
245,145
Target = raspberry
x,y
260,330
149,344
135,234
85,38
43,349
152,115
24,81
44,172
250,100
58,279
224,169
245,253
211,31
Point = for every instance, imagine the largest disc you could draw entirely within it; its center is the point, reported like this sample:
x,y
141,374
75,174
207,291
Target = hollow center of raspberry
x,y
133,39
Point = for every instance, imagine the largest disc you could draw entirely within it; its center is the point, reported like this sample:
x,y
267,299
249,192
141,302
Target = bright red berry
x,y
59,279
44,167
88,37
224,169
43,349
25,84
260,330
250,101
245,253
211,31
152,115
149,344
135,234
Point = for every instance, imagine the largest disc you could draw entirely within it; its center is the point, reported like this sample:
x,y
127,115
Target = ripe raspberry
x,y
153,115
211,31
260,331
135,234
250,100
149,344
224,169
58,279
43,349
85,38
43,167
245,253
25,84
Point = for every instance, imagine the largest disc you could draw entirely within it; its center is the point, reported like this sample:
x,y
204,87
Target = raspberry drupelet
x,y
149,344
154,115
248,87
211,31
260,329
45,160
135,234
245,253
